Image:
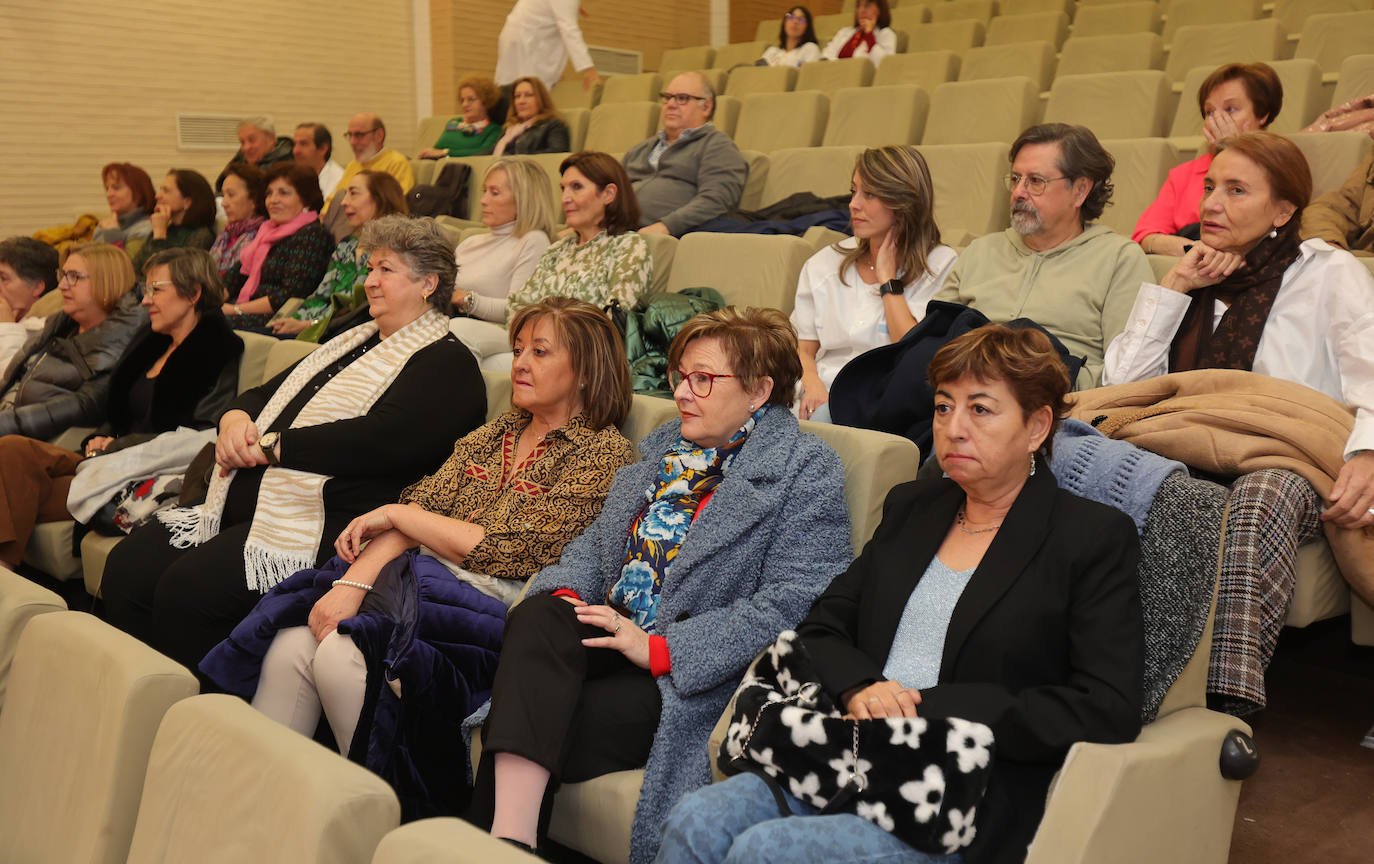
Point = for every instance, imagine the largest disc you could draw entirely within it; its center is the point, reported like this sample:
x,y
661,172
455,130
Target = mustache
x,y
1024,207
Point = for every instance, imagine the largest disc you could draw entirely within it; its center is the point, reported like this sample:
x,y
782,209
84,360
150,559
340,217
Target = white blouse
x,y
848,319
774,55
885,43
1320,333
493,265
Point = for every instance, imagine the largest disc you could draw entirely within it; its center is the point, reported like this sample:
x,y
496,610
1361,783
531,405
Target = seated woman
x,y
533,125
797,43
244,198
626,651
871,36
517,206
990,595
184,216
61,376
340,433
1235,99
603,259
870,290
288,255
326,313
130,194
500,509
472,134
183,373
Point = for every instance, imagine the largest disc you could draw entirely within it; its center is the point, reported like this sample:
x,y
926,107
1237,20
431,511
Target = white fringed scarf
x,y
289,517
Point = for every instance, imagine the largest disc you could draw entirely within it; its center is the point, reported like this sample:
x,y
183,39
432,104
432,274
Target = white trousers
x,y
300,677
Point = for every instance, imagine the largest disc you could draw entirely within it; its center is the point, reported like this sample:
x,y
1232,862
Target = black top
x,y
141,400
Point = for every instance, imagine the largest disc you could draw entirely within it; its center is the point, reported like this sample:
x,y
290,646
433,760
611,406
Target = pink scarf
x,y
255,253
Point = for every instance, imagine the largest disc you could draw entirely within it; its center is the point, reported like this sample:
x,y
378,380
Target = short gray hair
x,y
422,244
263,123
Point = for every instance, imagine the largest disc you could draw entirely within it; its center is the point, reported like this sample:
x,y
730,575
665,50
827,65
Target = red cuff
x,y
567,592
660,663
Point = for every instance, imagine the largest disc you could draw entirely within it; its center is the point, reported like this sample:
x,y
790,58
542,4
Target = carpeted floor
x,y
1312,799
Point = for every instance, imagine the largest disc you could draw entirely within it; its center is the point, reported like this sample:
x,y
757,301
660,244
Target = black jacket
x,y
1046,644
551,136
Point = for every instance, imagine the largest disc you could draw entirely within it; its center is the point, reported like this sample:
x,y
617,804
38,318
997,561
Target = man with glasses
x,y
690,172
1055,265
367,136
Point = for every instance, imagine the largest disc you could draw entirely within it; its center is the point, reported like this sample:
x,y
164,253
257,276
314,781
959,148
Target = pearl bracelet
x,y
352,584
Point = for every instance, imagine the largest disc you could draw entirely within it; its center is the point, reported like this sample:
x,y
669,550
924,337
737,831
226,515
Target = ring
x,y
874,699
617,623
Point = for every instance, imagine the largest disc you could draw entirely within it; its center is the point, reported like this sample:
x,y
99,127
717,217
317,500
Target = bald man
x,y
367,136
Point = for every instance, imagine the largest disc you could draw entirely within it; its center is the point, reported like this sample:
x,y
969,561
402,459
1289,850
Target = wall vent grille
x,y
197,131
616,61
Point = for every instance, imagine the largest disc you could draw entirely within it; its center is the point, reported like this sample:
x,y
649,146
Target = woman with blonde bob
x,y
533,124
871,289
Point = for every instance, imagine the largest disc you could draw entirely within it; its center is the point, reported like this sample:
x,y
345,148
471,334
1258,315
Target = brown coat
x,y
1344,217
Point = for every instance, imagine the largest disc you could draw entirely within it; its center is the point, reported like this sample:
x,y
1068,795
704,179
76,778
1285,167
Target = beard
x,y
1025,219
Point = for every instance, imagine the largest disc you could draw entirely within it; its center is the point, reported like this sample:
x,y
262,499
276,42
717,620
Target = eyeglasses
x,y
679,98
790,17
161,284
351,135
1035,184
701,383
70,276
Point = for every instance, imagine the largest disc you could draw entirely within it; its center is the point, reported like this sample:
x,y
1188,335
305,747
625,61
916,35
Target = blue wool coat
x,y
772,537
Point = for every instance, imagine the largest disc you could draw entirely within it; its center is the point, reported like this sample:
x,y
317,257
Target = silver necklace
x,y
959,520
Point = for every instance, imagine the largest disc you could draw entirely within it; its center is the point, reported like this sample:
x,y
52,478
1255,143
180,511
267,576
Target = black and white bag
x,y
920,779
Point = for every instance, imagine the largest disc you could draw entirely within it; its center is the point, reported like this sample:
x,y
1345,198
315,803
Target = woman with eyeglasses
x,y
473,133
870,289
624,653
182,373
797,43
871,36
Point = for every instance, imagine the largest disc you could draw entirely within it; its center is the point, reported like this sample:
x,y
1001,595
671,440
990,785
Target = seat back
x,y
662,250
747,269
1293,14
1112,104
682,59
938,35
1033,60
205,799
1331,156
909,19
577,120
824,171
20,600
830,75
1051,27
767,30
1302,98
1002,107
726,118
1356,79
828,25
1026,7
963,10
970,198
874,462
1126,52
430,129
498,386
643,87
83,706
772,121
877,116
757,164
283,354
1115,19
430,840
1142,164
748,80
1214,44
569,93
253,361
616,127
1185,12
736,53
1330,38
925,69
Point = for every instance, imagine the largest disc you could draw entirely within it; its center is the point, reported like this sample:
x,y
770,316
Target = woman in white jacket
x,y
871,36
538,38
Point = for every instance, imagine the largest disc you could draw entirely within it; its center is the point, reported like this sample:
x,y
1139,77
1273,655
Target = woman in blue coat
x,y
628,649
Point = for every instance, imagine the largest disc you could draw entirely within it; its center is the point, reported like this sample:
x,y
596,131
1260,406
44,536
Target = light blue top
x,y
914,660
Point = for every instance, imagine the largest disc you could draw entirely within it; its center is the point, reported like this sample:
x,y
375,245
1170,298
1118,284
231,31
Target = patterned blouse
x,y
231,241
531,510
293,268
340,289
603,269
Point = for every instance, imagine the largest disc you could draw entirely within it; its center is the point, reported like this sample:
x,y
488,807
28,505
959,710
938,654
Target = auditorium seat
x,y
449,840
1214,44
1142,164
877,116
971,112
1112,104
662,251
1026,7
726,118
736,53
908,19
970,197
676,60
1293,14
772,121
644,87
925,69
828,25
823,171
767,30
963,10
1051,27
616,127
757,164
1125,52
1331,156
1185,12
716,77
954,36
1116,19
1033,60
84,703
20,600
1330,38
747,269
569,93
829,75
1356,79
228,784
429,130
577,120
748,80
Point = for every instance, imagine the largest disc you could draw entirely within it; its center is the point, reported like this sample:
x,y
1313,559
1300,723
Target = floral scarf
x,y
687,476
231,241
341,287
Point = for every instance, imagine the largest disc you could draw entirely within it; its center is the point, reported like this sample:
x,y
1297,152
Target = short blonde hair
x,y
111,271
533,193
759,343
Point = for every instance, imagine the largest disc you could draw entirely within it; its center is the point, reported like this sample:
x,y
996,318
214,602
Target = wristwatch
x,y
268,443
891,286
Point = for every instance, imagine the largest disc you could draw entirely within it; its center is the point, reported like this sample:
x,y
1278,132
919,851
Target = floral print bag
x,y
920,779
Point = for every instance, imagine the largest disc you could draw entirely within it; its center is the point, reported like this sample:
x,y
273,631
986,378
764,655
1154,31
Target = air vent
x,y
208,131
616,61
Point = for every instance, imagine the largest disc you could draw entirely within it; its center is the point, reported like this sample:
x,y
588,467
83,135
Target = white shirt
x,y
885,43
330,175
14,335
1320,333
538,38
776,56
848,319
493,265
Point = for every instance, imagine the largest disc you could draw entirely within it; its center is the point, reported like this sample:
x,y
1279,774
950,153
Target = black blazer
x,y
1045,645
551,136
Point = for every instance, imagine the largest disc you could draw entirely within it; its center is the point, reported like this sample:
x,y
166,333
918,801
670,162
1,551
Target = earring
x,y
751,407
1274,232
1032,460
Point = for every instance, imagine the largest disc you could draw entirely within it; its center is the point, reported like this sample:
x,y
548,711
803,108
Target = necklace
x,y
959,520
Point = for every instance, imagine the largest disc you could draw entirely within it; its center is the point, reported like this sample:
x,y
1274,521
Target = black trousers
x,y
579,712
183,602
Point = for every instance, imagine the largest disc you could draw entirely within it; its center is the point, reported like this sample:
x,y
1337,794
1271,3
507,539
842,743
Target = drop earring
x,y
1273,232
1032,467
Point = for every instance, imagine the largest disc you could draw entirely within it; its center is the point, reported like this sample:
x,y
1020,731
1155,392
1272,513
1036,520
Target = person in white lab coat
x,y
538,38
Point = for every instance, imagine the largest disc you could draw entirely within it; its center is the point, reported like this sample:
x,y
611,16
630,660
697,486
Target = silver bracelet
x,y
351,584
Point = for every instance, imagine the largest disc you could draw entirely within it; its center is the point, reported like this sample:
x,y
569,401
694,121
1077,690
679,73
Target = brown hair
x,y
191,185
386,193
759,342
138,181
899,178
485,88
252,177
191,268
884,13
1261,83
301,178
1024,359
598,355
546,107
602,169
1080,155
1290,178
111,271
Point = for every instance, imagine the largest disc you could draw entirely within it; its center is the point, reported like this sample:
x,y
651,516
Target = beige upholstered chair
x,y
963,10
909,19
449,840
876,116
20,600
429,130
747,269
748,80
1124,52
1142,164
726,118
1184,12
970,199
677,60
1051,27
940,35
1115,19
974,112
1293,14
1214,44
1026,7
616,127
568,93
662,250
1330,38
824,171
1113,104
752,196
227,784
1331,156
830,75
736,53
826,25
84,703
926,69
1356,78
577,120
772,121
1033,60
643,87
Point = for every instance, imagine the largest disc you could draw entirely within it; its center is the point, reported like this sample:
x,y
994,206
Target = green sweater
x,y
460,143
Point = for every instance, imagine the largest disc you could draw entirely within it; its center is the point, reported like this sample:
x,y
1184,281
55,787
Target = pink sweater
x,y
1178,201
